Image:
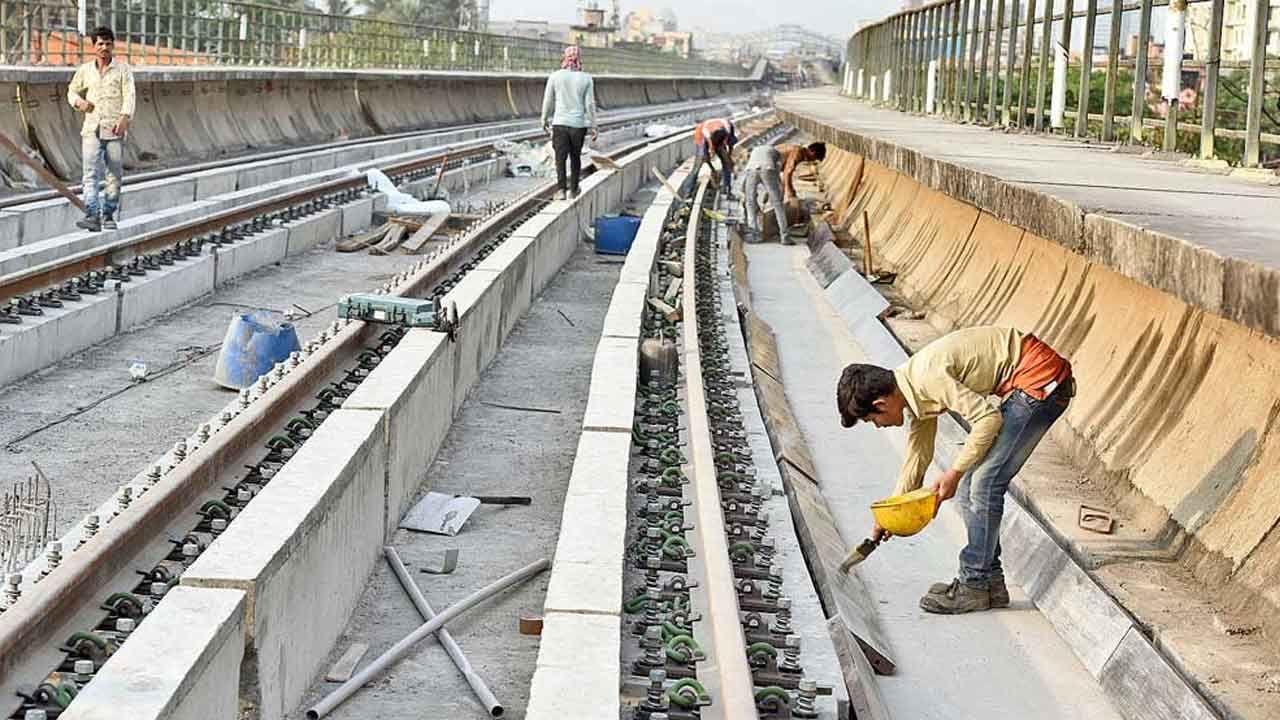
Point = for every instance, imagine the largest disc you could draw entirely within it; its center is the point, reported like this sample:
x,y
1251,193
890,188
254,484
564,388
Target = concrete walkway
x,y
1230,216
1001,664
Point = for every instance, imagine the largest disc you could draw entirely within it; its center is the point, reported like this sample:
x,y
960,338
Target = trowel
x,y
858,554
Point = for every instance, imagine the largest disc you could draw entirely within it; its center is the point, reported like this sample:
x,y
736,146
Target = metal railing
x,y
217,32
1207,72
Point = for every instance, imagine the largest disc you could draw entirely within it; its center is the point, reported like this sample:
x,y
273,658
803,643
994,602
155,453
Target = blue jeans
x,y
700,157
98,158
981,490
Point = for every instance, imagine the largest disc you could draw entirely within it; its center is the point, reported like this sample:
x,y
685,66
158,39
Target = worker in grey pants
x,y
763,170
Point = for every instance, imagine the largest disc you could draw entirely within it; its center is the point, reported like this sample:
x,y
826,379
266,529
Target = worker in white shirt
x,y
103,90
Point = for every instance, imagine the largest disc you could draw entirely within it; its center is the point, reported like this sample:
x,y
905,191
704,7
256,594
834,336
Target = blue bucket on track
x,y
255,342
615,233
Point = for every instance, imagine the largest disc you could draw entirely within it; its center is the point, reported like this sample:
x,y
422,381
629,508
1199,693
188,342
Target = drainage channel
x,y
284,407
710,626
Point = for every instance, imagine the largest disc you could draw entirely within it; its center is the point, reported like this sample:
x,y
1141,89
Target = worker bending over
x,y
712,137
956,373
774,168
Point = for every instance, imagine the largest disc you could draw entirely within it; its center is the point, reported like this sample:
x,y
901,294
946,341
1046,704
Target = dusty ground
x,y
96,429
545,363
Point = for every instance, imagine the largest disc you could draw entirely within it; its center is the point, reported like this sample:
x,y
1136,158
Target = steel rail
x,y
729,676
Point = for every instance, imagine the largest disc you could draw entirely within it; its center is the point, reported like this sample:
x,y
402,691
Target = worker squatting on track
x,y
716,136
568,111
103,90
774,169
956,373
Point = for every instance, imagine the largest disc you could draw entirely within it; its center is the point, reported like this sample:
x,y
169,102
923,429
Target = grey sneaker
x,y
958,598
998,590
89,223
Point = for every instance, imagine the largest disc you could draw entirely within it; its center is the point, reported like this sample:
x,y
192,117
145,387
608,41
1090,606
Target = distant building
x,y
532,29
1237,30
592,28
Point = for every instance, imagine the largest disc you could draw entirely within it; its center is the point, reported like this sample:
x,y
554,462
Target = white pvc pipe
x,y
1058,100
931,87
1175,31
402,648
482,691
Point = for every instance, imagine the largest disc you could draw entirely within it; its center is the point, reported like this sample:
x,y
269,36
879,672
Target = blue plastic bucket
x,y
254,343
615,233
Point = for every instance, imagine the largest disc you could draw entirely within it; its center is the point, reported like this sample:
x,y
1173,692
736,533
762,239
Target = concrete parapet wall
x,y
1174,412
187,115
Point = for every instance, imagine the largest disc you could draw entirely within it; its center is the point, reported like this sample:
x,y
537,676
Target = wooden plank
x,y
420,236
345,666
362,241
762,348
859,678
785,434
393,239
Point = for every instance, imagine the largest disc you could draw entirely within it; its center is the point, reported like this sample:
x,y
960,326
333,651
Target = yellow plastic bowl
x,y
906,514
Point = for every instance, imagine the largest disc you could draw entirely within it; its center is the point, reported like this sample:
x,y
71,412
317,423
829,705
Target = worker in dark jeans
x,y
571,94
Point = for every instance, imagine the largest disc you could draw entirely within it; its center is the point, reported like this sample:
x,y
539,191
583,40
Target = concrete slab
x,y
211,183
626,310
514,263
39,342
1146,687
315,531
10,230
183,663
480,329
356,216
322,227
579,672
612,403
250,254
413,388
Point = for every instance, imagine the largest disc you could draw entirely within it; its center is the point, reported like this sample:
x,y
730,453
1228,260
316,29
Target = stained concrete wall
x,y
188,115
1174,409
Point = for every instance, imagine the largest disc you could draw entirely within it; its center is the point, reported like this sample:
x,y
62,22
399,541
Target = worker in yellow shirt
x,y
957,373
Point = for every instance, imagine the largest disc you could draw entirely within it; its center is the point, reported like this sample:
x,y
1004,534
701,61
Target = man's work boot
x,y
90,223
997,589
959,598
108,222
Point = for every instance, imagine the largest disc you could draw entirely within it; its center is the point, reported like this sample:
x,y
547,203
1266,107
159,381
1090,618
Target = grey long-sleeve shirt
x,y
571,94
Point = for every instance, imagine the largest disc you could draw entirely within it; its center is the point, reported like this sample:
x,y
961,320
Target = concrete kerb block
x,y
855,299
587,574
514,262
579,672
1143,686
211,183
10,230
160,291
479,300
356,216
46,219
413,388
321,227
59,333
315,531
249,254
611,400
626,310
182,664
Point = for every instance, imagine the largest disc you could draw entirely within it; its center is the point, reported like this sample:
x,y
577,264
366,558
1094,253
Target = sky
x,y
832,17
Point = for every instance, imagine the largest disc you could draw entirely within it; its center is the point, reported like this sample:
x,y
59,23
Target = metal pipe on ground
x,y
400,649
476,682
